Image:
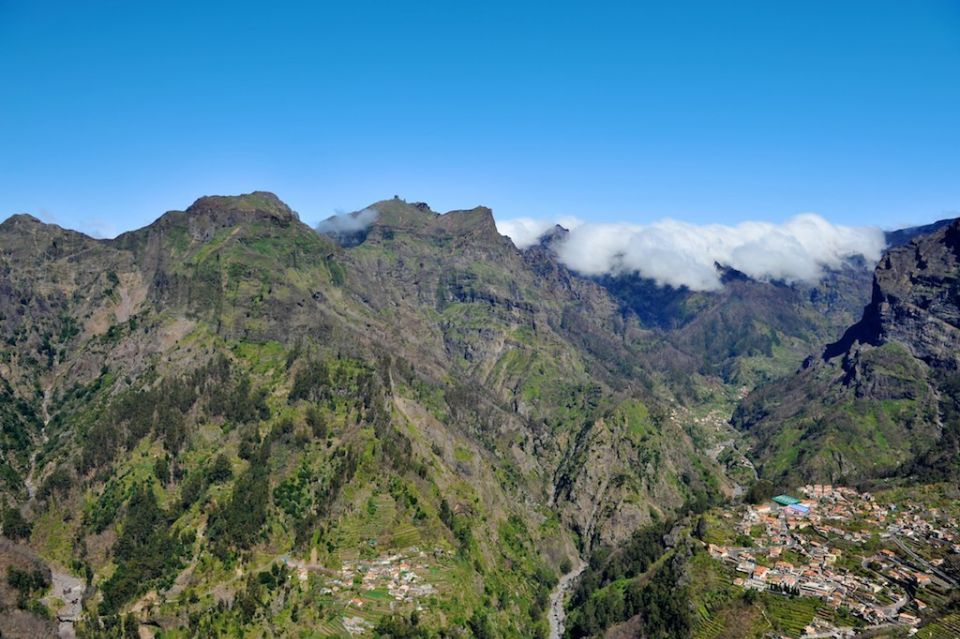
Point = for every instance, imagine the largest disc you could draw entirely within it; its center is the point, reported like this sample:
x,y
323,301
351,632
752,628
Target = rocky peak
x,y
903,236
234,208
729,274
554,236
24,237
20,220
477,221
400,214
26,224
396,217
915,300
210,214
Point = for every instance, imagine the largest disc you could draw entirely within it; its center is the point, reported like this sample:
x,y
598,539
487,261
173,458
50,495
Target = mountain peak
x,y
261,203
478,220
24,224
18,219
909,303
399,213
385,218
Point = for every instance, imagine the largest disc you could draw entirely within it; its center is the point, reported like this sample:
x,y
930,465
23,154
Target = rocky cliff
x,y
882,399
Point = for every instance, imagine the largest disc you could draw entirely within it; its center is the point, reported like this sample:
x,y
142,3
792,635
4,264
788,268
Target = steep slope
x,y
57,289
227,421
553,349
749,331
883,399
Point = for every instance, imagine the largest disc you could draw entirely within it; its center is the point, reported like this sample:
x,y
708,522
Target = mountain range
x,y
204,416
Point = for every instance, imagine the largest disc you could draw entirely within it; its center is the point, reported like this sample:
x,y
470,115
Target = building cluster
x,y
400,575
795,549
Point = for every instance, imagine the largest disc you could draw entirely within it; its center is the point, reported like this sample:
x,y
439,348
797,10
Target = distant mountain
x,y
750,331
885,398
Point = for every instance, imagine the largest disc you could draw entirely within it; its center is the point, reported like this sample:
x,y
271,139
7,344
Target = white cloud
x,y
344,223
527,231
681,254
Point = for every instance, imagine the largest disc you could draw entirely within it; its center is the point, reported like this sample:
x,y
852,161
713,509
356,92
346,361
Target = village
x,y
368,588
397,574
878,563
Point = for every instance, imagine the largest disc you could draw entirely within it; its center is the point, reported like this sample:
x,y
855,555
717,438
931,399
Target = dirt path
x,y
68,589
558,612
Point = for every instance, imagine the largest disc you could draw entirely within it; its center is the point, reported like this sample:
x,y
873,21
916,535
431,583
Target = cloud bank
x,y
681,254
527,231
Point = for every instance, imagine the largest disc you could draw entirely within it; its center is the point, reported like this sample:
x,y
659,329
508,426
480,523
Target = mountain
x,y
903,236
228,423
883,400
749,331
879,406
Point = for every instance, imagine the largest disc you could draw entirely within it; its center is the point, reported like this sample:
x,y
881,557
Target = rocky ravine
x,y
558,597
68,589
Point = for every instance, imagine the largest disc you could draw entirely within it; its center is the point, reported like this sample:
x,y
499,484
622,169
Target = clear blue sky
x,y
113,112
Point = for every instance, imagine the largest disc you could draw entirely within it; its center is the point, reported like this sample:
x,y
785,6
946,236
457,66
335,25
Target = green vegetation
x,y
640,577
14,525
834,435
240,428
146,552
237,524
27,583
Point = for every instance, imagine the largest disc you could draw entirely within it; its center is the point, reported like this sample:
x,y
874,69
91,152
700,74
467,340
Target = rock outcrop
x,y
879,400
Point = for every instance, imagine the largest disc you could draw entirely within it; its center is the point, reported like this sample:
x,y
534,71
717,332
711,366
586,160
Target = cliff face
x,y
881,399
916,299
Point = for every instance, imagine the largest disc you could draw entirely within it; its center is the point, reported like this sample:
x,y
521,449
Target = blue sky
x,y
113,112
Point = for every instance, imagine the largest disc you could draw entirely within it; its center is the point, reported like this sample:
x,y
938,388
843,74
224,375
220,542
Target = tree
x,y
238,522
144,552
760,491
318,426
399,627
27,581
480,625
221,470
14,525
161,469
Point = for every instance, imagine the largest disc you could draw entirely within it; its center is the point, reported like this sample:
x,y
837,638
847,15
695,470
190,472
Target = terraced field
x,y
790,615
946,628
707,626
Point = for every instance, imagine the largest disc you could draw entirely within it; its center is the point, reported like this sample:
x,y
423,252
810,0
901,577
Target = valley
x,y
227,424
